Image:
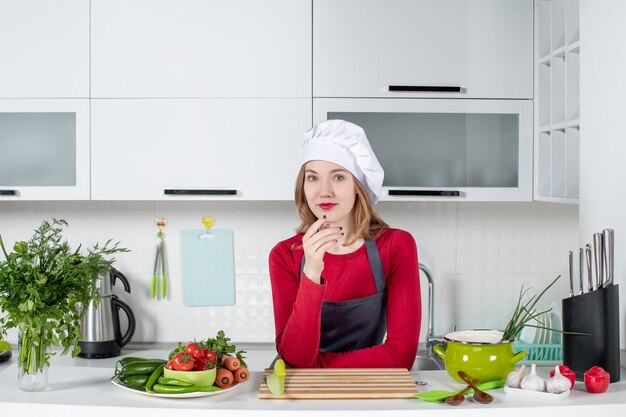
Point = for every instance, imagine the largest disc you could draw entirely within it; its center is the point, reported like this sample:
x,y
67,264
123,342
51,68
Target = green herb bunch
x,y
41,283
525,312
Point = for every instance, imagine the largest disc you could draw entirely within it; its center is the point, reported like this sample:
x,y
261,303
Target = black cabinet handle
x,y
9,193
437,193
426,88
199,192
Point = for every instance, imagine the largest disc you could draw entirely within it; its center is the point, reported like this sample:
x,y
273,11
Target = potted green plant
x,y
41,283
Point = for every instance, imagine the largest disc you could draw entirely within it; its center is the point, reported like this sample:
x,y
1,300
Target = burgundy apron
x,y
358,323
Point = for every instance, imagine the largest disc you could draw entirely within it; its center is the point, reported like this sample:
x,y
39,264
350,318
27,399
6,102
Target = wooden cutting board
x,y
343,383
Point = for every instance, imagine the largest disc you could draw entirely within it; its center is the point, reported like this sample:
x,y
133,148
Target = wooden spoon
x,y
460,396
479,396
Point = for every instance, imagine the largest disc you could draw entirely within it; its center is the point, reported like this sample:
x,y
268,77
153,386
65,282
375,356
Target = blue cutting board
x,y
208,268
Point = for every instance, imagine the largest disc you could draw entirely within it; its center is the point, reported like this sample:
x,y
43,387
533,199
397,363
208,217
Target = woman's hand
x,y
315,242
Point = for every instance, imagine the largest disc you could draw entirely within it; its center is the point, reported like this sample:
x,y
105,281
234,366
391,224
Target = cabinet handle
x,y
199,192
9,192
438,193
426,88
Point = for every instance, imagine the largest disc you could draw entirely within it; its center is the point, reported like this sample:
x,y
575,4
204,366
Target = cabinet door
x,y
44,149
44,48
189,149
445,150
201,48
362,47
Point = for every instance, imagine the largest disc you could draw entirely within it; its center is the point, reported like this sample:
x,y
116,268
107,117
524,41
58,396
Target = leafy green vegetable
x,y
219,344
525,312
41,283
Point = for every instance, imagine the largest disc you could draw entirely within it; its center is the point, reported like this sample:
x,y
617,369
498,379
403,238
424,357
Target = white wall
x,y
480,254
602,137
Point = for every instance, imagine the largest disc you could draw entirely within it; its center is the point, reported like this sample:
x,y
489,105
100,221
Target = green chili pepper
x,y
174,389
135,381
139,368
171,381
153,378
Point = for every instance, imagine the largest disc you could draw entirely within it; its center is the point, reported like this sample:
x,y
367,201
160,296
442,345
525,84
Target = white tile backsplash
x,y
479,253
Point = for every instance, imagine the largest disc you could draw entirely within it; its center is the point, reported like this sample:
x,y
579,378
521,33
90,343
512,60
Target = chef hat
x,y
344,143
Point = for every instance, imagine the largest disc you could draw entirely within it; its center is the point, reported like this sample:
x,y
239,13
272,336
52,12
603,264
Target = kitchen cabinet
x,y
445,150
423,48
189,149
44,48
557,104
44,149
200,48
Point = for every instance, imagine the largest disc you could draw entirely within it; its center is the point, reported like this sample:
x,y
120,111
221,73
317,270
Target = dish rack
x,y
540,352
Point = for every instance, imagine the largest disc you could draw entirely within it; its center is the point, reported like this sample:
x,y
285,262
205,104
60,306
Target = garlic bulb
x,y
533,382
514,378
558,383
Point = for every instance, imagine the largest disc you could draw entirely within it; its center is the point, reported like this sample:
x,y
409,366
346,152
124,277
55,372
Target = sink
x,y
425,363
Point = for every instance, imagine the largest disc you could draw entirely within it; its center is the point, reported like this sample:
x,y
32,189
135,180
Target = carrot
x,y
241,374
224,378
231,363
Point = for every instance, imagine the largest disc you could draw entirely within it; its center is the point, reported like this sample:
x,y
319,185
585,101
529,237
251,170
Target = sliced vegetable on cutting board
x,y
276,380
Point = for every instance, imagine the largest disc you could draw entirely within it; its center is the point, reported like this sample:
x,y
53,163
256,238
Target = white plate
x,y
186,395
535,395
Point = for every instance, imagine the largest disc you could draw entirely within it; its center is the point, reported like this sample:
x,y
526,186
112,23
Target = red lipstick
x,y
327,206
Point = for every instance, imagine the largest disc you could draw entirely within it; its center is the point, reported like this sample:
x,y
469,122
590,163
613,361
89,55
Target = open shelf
x,y
557,80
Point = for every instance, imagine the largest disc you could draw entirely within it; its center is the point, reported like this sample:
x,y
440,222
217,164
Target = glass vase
x,y
32,366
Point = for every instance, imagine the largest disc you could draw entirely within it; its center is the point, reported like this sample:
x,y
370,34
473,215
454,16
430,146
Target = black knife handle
x,y
8,192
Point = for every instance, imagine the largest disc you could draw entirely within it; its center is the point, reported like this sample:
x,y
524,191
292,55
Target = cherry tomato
x,y
200,366
183,362
567,373
210,356
170,365
597,380
194,351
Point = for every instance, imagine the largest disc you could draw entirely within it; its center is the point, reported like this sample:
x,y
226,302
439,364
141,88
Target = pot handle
x,y
519,356
118,304
440,350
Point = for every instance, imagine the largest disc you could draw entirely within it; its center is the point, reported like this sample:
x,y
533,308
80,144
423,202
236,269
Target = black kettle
x,y
100,326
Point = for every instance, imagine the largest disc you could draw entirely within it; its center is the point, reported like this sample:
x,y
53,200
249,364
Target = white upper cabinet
x,y
190,149
423,48
44,48
44,149
200,48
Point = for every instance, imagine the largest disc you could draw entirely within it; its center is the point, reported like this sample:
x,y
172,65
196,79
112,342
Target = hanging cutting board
x,y
208,268
343,383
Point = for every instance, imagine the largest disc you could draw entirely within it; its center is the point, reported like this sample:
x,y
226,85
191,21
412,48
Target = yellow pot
x,y
479,353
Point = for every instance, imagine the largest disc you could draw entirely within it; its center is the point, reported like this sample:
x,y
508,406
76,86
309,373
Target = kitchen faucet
x,y
431,340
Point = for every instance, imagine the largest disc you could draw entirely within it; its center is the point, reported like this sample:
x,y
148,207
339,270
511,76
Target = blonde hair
x,y
367,222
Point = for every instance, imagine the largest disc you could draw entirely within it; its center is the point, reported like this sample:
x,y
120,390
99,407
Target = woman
x,y
346,278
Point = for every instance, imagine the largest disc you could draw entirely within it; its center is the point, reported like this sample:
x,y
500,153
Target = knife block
x,y
597,314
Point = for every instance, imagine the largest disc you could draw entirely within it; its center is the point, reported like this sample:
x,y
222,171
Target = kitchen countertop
x,y
82,385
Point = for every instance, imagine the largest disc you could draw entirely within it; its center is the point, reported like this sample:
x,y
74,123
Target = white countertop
x,y
83,386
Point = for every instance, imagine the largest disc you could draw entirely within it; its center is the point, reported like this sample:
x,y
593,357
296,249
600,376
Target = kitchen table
x,y
82,386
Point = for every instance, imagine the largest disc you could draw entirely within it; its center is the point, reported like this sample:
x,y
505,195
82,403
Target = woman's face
x,y
329,190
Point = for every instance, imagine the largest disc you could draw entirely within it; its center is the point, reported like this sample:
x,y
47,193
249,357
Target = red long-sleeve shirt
x,y
298,303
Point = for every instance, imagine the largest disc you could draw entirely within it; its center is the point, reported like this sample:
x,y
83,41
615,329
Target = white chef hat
x,y
344,143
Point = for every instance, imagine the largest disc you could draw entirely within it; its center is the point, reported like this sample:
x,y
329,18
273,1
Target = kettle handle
x,y
118,304
115,274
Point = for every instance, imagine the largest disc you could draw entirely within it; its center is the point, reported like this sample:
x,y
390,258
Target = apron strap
x,y
375,264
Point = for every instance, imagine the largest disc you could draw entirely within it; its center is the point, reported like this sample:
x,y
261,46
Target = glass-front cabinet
x,y
448,149
44,149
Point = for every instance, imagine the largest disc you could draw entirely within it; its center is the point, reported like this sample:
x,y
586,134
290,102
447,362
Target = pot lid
x,y
481,337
